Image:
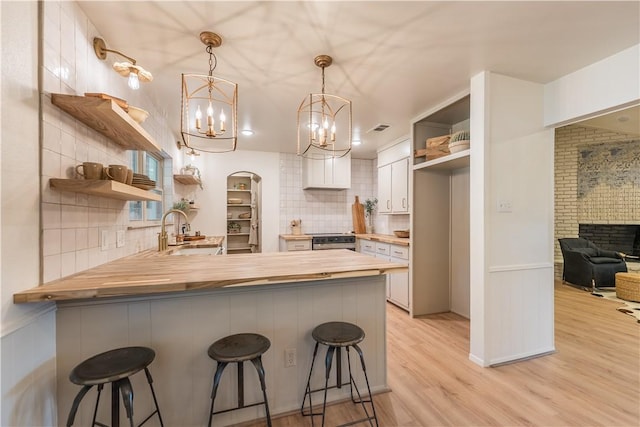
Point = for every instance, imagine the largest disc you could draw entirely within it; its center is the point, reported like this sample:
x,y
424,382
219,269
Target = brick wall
x,y
569,142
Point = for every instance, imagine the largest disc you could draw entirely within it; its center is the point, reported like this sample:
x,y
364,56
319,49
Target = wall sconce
x,y
135,73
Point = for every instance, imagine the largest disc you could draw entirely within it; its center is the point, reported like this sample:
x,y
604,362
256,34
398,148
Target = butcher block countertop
x,y
295,236
385,238
146,273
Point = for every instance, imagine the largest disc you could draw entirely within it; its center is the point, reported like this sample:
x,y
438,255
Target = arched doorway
x,y
244,214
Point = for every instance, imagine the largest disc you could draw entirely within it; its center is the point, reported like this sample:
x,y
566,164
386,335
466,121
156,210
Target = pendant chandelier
x,y
209,106
324,122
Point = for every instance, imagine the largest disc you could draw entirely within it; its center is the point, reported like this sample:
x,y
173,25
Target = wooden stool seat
x,y
239,348
115,367
338,335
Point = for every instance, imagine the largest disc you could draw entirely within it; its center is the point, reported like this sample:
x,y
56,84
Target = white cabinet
x,y
398,283
393,187
287,245
328,174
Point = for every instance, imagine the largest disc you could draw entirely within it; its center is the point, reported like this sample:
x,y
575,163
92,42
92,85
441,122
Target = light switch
x,y
504,206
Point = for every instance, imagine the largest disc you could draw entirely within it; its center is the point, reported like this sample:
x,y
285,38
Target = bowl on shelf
x,y
138,114
401,233
234,201
457,146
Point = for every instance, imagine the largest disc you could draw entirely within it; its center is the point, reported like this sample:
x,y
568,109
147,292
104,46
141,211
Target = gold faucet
x,y
163,239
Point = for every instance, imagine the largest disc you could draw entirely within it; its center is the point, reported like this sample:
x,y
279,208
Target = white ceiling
x,y
393,59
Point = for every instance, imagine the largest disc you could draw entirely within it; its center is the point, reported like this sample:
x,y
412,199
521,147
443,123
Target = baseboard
x,y
521,357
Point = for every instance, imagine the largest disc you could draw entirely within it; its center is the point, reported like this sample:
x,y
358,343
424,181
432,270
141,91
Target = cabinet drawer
x,y
299,245
383,249
367,246
401,252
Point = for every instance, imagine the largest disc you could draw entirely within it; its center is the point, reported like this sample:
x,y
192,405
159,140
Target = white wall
x,y
512,288
27,343
607,85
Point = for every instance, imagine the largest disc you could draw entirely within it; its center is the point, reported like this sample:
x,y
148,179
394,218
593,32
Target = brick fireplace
x,y
615,237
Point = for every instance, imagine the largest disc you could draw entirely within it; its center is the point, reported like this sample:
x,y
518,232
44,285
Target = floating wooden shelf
x,y
238,191
187,179
104,188
452,161
106,117
237,234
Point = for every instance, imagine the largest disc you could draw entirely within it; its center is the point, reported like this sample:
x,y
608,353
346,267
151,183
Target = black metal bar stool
x,y
336,335
238,349
115,367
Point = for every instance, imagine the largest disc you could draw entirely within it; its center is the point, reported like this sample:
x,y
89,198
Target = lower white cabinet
x,y
397,283
294,245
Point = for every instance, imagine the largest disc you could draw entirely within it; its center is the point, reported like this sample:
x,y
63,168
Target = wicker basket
x,y
628,286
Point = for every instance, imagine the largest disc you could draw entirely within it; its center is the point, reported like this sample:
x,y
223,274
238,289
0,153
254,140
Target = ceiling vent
x,y
378,128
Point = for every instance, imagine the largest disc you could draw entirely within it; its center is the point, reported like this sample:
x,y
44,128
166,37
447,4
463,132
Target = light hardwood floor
x,y
592,380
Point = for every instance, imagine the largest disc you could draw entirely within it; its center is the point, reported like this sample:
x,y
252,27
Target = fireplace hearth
x,y
615,237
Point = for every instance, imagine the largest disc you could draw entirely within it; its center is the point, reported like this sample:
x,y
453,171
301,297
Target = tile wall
x,y
72,223
329,211
322,211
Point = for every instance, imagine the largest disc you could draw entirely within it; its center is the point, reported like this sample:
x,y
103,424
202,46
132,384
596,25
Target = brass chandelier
x,y
324,122
209,106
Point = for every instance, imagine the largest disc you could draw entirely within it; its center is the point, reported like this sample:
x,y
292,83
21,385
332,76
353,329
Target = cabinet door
x,y
327,173
400,186
341,172
398,286
384,189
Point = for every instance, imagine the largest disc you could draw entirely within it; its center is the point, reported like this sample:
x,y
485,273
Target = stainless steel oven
x,y
323,241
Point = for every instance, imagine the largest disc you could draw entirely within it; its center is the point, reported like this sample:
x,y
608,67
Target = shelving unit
x,y
187,179
440,214
240,186
104,188
106,117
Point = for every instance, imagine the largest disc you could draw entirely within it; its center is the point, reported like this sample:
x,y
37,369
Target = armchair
x,y
589,266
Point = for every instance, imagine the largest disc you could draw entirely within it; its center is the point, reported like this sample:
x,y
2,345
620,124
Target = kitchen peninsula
x,y
179,305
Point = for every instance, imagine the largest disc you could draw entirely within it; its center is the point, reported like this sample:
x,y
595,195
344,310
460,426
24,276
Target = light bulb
x,y
333,131
210,110
222,118
134,82
198,118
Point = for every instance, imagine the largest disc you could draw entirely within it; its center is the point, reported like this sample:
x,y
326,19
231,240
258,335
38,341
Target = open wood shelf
x,y
452,161
187,179
104,188
106,117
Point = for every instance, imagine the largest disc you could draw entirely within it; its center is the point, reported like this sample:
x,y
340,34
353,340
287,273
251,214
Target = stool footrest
x,y
238,407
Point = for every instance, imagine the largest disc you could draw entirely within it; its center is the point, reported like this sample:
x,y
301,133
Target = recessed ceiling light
x,y
247,132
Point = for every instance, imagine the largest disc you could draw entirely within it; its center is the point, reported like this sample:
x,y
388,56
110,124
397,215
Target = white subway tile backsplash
x,y
50,216
51,267
67,264
51,242
68,240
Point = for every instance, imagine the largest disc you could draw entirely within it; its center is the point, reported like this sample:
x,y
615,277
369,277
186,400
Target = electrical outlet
x,y
119,238
290,357
104,240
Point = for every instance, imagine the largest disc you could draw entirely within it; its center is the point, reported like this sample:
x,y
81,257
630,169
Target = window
x,y
151,166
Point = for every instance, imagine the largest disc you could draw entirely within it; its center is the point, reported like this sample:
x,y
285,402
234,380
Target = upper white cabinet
x,y
393,179
328,174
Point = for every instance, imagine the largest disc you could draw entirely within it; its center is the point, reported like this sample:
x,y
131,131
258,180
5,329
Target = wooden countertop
x,y
385,238
145,274
295,237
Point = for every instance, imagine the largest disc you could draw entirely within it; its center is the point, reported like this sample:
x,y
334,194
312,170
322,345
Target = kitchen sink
x,y
198,251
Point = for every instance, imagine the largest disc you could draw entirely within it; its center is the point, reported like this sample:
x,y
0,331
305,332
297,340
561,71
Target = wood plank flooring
x,y
592,380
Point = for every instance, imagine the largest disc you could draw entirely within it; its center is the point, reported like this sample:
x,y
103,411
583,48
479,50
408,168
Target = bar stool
x,y
115,367
336,335
238,349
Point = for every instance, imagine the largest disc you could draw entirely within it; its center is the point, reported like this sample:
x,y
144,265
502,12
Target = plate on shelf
x,y
143,186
